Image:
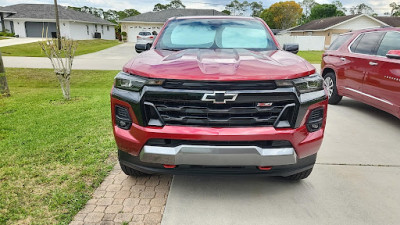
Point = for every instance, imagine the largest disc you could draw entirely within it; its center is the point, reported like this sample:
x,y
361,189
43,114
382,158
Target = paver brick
x,y
141,209
105,201
122,194
93,217
113,209
114,187
100,208
123,217
152,218
109,194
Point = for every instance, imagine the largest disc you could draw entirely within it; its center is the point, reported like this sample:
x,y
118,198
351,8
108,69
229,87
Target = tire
x,y
148,46
300,176
330,84
132,172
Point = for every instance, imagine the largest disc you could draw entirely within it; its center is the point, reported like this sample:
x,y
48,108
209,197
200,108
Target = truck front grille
x,y
243,112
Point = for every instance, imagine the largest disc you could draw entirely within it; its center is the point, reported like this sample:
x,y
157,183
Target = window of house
x,y
102,29
95,27
87,29
108,28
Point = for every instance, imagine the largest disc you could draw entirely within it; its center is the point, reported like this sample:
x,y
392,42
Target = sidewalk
x,y
113,58
17,41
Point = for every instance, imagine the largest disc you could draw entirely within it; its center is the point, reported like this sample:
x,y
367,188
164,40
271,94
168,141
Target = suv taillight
x,y
122,118
315,119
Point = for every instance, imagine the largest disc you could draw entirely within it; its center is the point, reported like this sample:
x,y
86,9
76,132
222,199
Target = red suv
x,y
218,95
365,65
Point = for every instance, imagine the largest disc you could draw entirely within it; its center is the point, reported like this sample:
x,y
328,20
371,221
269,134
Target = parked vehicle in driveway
x,y
365,65
144,41
218,95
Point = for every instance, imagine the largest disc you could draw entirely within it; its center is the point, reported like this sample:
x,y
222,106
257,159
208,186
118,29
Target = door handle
x,y
373,63
343,59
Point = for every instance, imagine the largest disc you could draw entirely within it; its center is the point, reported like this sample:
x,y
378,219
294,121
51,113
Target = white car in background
x,y
145,40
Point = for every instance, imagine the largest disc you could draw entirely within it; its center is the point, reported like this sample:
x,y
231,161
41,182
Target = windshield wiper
x,y
172,49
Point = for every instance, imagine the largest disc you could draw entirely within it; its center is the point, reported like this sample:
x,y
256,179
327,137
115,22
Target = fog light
x,y
122,118
315,119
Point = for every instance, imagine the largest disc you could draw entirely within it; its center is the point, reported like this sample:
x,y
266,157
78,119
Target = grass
x,y
33,49
3,38
54,153
314,57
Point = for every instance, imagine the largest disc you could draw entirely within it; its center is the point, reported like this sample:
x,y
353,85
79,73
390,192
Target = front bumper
x,y
151,168
218,155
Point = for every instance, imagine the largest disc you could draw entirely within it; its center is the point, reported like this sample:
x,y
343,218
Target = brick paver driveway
x,y
121,199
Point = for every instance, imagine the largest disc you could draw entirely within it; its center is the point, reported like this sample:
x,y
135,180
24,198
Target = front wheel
x,y
300,176
331,86
132,172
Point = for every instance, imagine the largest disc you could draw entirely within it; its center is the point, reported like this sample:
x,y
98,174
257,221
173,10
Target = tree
x,y
395,9
324,11
307,5
361,9
110,15
226,12
282,15
4,90
256,8
174,4
61,59
339,6
237,8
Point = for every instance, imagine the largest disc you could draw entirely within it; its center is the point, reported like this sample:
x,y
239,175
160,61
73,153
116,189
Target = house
x,y
153,21
31,20
331,27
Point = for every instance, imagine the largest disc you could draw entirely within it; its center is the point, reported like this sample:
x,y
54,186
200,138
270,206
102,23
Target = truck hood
x,y
219,64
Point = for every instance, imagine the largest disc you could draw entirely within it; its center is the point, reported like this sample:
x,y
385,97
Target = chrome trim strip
x,y
218,155
370,96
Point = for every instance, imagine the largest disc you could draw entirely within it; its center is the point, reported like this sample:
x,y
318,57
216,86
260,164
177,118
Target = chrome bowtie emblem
x,y
219,97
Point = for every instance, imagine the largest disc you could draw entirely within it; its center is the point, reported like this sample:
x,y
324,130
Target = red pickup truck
x,y
218,95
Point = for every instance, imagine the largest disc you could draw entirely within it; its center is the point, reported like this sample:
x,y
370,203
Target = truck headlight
x,y
134,83
309,84
304,84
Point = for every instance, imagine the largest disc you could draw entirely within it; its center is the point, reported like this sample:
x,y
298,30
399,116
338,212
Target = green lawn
x,y
3,38
312,56
53,153
33,49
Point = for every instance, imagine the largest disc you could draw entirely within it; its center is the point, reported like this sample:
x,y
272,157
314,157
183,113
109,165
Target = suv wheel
x,y
300,176
330,84
131,172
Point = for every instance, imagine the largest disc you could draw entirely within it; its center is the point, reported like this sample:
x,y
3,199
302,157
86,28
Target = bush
x,y
6,34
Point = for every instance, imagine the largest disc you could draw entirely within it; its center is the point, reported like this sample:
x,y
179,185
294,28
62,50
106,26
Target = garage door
x,y
35,29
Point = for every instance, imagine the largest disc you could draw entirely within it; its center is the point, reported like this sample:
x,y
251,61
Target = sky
x,y
379,6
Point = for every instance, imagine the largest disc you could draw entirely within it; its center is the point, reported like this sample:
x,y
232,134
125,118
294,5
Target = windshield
x,y
216,34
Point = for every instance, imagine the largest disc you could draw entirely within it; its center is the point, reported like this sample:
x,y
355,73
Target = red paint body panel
x,y
305,143
219,64
372,79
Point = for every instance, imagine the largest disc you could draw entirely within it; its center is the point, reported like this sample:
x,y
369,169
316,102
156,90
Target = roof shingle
x,y
321,24
46,11
164,15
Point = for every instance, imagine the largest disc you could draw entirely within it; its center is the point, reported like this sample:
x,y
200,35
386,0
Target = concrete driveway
x,y
356,181
113,58
17,41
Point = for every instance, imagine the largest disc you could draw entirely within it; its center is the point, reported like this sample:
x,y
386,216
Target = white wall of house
x,y
133,28
359,23
19,28
69,29
85,31
306,43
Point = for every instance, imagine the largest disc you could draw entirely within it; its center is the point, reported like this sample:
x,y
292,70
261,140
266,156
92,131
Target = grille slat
x,y
190,110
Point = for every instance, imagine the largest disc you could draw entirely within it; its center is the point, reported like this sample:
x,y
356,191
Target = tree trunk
x,y
4,90
57,25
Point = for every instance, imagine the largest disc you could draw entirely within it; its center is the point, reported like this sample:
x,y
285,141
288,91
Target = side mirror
x,y
293,48
140,48
393,54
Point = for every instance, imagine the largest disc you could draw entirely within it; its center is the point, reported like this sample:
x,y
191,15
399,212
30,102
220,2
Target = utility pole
x,y
57,25
4,90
